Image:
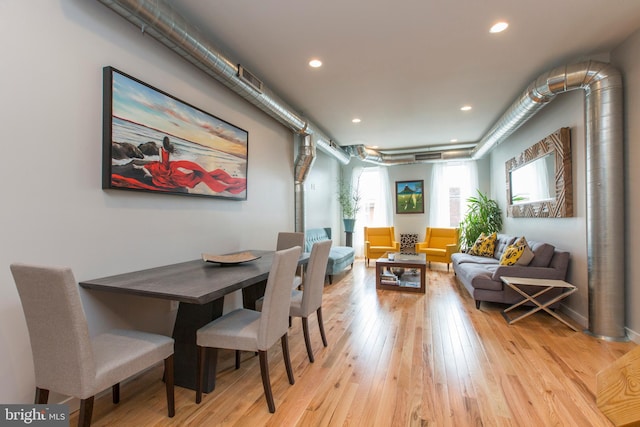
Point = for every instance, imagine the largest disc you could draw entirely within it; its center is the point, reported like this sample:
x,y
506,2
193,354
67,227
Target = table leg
x,y
189,319
538,305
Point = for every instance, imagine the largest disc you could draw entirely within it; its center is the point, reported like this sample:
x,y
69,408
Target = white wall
x,y
53,208
627,58
321,206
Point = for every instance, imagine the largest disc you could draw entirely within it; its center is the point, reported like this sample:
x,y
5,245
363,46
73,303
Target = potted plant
x,y
483,216
349,200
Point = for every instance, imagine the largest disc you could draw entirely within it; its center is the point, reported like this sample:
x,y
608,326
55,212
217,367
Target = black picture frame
x,y
154,142
410,197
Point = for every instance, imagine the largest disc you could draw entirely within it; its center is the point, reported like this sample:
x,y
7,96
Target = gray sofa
x,y
340,257
481,275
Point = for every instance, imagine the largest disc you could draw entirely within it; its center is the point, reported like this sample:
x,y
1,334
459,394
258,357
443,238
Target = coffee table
x,y
546,285
402,273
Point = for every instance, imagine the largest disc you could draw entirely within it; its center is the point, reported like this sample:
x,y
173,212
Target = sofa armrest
x,y
528,272
421,245
396,245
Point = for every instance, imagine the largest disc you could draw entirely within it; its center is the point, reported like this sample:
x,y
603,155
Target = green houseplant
x,y
483,216
349,200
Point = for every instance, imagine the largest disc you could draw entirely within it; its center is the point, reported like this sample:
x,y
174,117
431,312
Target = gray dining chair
x,y
66,359
250,330
305,302
309,300
286,240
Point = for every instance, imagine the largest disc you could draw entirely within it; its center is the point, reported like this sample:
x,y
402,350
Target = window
x,y
451,185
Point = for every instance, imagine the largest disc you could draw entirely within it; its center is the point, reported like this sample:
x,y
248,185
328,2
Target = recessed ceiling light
x,y
499,27
465,108
356,120
315,63
453,140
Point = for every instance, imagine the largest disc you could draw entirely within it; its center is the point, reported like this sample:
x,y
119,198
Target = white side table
x,y
546,285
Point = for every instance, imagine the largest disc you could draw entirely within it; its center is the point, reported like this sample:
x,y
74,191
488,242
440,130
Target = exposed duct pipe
x,y
158,19
304,161
602,84
420,156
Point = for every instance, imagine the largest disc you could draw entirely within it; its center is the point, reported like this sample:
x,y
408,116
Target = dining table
x,y
199,287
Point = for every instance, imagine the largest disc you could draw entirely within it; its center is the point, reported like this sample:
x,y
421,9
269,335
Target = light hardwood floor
x,y
396,359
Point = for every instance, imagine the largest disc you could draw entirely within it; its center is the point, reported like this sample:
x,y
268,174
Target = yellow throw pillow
x,y
511,254
475,249
488,246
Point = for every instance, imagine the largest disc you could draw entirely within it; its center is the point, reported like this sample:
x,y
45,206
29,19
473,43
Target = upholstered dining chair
x,y
66,359
286,240
250,330
305,302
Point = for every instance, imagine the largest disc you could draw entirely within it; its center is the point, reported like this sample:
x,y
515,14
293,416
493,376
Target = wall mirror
x,y
539,180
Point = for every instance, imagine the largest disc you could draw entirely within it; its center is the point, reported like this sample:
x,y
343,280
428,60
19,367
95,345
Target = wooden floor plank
x,y
396,359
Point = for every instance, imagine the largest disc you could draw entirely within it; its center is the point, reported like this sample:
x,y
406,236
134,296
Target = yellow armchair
x,y
378,241
439,244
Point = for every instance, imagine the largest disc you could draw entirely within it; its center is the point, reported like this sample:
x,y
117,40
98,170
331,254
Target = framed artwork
x,y
157,143
409,197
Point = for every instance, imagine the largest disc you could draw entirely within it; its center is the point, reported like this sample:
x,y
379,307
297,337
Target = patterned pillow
x,y
527,253
512,254
475,249
484,245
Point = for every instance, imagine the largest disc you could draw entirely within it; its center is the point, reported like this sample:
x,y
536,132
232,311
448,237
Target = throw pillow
x,y
527,253
475,249
512,254
488,246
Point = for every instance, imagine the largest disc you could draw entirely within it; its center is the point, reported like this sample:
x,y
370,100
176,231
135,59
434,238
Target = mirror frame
x,y
561,206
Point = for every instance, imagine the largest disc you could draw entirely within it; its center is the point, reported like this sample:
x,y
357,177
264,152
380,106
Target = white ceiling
x,y
405,67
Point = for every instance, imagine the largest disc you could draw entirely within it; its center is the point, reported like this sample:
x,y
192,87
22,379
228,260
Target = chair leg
x,y
202,353
86,410
290,321
168,381
42,396
478,304
331,279
321,325
237,359
266,384
287,360
307,339
115,393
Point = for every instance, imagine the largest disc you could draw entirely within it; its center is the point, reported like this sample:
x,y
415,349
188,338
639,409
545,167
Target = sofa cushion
x,y
480,276
461,258
339,254
543,252
502,241
527,253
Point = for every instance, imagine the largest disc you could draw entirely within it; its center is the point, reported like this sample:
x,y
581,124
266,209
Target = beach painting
x,y
155,142
409,197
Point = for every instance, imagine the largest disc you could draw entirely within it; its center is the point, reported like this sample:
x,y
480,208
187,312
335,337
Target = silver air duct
x,y
602,84
304,161
159,20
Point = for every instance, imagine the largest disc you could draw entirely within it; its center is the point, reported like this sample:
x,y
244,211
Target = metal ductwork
x,y
602,84
304,162
159,20
424,155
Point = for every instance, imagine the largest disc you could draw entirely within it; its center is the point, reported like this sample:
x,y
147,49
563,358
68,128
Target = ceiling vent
x,y
429,156
249,78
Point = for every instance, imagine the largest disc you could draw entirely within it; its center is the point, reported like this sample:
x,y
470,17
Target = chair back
x,y
379,236
441,237
58,331
288,240
274,320
314,277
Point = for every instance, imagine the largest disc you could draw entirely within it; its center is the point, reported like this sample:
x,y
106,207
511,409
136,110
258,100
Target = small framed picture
x,y
409,197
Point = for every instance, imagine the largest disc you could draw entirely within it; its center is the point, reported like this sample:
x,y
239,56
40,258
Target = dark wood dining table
x,y
200,288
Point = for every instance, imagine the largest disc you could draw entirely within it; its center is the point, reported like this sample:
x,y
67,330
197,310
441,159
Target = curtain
x,y
439,199
462,175
375,202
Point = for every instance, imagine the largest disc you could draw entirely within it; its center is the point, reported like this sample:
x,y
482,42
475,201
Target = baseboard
x,y
583,322
575,316
633,335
